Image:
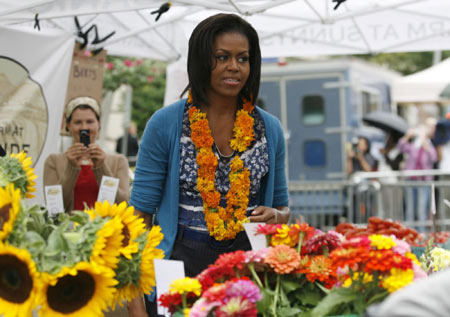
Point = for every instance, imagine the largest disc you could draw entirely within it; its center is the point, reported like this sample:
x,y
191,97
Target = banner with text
x,y
34,70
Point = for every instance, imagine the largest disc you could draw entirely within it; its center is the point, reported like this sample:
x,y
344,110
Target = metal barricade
x,y
392,195
321,204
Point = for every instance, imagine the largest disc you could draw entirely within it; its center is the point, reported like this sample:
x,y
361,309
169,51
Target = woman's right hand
x,y
75,152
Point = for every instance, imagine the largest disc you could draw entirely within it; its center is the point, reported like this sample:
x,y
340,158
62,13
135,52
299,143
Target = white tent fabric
x,y
424,86
286,27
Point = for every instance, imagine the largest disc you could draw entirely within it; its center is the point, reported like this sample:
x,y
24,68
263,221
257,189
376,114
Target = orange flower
x,y
320,268
222,223
350,257
282,259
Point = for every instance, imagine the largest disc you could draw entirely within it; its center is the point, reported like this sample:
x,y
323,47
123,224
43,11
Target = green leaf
x,y
310,298
56,243
266,301
336,297
289,285
34,242
288,311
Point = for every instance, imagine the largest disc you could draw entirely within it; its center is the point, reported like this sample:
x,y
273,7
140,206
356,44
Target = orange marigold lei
x,y
222,223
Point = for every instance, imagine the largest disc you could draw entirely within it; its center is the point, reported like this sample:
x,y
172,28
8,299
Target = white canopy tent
x,y
424,86
286,27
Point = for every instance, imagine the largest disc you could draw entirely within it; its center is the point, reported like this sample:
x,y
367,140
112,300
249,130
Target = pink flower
x,y
237,307
202,307
128,63
267,229
418,272
138,62
244,288
150,79
330,240
362,241
256,256
401,246
109,66
87,53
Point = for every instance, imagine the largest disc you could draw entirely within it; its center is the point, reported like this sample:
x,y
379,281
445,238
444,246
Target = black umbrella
x,y
387,121
369,133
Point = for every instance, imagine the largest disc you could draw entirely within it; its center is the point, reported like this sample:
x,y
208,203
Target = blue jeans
x,y
417,204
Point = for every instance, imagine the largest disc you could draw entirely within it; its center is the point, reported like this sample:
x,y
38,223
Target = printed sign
x,y
54,199
86,77
108,189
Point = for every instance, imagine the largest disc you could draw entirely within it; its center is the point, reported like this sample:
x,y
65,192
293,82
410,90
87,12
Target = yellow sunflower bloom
x,y
147,270
29,172
133,225
106,249
19,282
81,291
9,209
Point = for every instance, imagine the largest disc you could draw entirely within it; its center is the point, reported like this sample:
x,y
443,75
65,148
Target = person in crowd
x,y
132,144
392,158
80,169
421,155
359,158
209,162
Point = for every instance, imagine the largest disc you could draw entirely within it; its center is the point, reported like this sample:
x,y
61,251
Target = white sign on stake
x,y
54,199
257,242
108,189
166,271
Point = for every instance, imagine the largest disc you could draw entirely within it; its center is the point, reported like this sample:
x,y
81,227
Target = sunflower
x,y
83,290
145,277
19,282
28,171
9,209
106,248
133,225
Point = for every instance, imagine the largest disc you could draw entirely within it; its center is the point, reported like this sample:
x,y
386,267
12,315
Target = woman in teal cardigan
x,y
214,161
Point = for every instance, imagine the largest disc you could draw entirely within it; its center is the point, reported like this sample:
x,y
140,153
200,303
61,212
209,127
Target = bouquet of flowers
x,y
435,258
286,279
368,269
79,264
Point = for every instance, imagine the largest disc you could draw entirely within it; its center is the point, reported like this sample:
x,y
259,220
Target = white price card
x,y
54,199
166,271
257,242
108,189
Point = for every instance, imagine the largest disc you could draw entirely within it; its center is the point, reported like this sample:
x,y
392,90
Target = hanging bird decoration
x,y
36,22
163,8
338,3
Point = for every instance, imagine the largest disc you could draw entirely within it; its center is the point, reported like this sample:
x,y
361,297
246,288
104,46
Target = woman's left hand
x,y
96,154
264,214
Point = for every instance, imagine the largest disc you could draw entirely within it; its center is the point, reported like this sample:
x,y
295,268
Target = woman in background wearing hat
x,y
80,169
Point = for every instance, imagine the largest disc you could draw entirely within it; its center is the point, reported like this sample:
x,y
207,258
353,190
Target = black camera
x,y
85,137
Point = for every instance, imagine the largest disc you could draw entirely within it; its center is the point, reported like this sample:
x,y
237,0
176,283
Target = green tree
x,y
404,63
146,77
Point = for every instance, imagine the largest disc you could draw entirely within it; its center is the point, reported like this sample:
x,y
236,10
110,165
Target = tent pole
x,y
148,28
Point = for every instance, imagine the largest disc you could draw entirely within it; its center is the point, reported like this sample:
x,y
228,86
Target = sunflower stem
x,y
275,300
